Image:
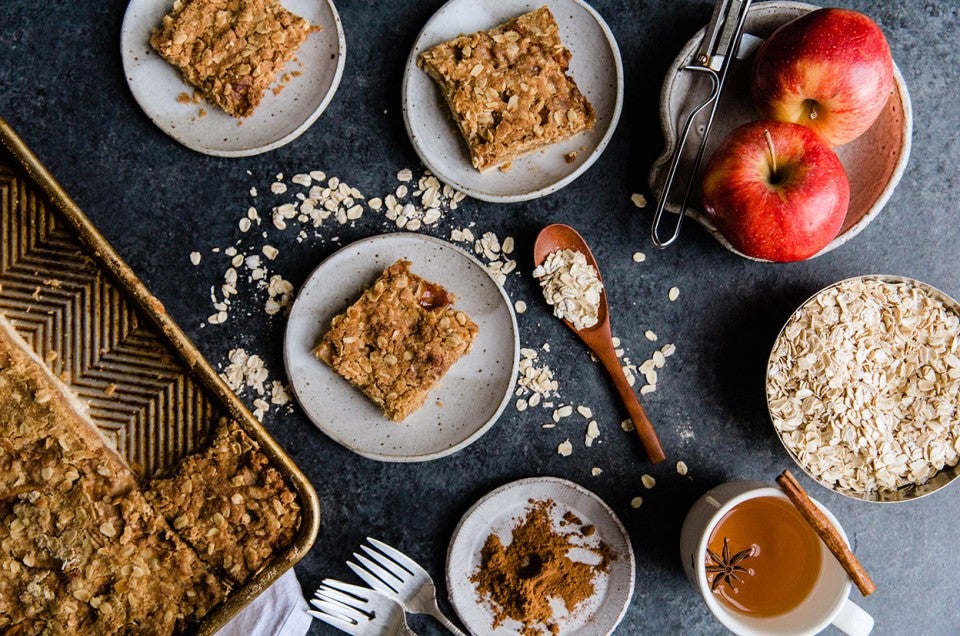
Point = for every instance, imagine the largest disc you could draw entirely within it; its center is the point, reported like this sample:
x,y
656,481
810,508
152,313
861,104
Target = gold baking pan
x,y
82,309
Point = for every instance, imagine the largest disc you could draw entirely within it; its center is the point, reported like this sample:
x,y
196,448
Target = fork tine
x,y
388,564
339,623
339,610
329,594
371,580
339,614
408,564
388,578
340,586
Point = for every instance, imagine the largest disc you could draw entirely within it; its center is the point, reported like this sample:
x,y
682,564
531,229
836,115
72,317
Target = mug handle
x,y
853,620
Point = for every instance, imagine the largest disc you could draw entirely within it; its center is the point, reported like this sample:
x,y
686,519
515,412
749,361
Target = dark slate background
x,y
63,90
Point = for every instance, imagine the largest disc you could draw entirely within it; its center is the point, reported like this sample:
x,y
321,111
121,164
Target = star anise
x,y
726,567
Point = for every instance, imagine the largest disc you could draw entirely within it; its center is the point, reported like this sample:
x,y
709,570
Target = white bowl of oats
x,y
863,388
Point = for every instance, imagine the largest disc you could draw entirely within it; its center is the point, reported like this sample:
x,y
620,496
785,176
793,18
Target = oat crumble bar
x,y
508,90
232,50
398,340
229,504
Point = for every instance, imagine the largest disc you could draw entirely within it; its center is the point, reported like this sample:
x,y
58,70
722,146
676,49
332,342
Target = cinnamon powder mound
x,y
518,580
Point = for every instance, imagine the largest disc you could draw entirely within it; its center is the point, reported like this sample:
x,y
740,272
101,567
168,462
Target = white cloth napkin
x,y
280,609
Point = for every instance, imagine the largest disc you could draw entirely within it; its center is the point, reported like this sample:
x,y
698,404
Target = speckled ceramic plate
x,y
595,66
874,162
470,397
499,512
279,119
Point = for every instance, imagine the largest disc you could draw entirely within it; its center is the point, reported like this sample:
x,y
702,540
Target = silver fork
x,y
395,574
358,610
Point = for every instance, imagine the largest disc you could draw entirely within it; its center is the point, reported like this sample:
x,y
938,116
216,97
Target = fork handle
x,y
437,614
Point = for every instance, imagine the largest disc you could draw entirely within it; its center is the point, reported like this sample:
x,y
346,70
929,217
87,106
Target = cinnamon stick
x,y
827,532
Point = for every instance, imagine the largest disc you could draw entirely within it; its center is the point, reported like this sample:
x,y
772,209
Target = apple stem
x,y
773,151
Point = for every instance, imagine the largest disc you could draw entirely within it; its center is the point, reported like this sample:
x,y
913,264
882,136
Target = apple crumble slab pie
x,y
85,550
81,551
398,340
228,504
231,50
508,88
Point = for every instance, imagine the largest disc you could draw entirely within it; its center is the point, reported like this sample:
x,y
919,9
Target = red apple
x,y
776,191
830,70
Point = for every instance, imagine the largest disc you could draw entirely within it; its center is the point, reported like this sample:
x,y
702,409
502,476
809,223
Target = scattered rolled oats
x,y
681,467
249,371
648,481
673,294
585,411
639,257
593,432
863,384
565,449
627,424
520,306
636,502
596,471
534,379
650,335
638,200
572,286
195,258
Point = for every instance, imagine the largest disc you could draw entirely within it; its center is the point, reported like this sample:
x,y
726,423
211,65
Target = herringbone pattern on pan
x,y
70,311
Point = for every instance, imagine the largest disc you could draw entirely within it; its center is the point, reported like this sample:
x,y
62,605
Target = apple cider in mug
x,y
763,559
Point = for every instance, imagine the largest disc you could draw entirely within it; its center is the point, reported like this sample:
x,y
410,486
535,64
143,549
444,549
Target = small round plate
x,y
279,119
470,397
498,512
874,162
595,66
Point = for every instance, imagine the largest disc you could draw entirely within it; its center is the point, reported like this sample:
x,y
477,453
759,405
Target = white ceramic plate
x,y
278,119
874,162
471,395
595,66
498,512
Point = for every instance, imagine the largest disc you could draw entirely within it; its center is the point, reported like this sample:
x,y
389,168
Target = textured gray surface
x,y
62,88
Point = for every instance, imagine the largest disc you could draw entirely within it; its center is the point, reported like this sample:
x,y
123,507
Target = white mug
x,y
828,602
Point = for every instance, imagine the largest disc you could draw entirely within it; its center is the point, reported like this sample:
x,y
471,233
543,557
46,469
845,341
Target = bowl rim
x,y
670,139
903,494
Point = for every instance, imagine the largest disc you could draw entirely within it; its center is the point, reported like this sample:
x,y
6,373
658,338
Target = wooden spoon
x,y
599,337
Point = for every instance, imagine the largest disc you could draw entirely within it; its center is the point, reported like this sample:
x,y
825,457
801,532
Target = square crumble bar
x,y
231,50
508,90
398,340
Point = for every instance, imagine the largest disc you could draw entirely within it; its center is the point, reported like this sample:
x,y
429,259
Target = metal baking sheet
x,y
82,309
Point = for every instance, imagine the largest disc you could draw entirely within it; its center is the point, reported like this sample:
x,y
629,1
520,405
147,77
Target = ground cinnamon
x,y
518,580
